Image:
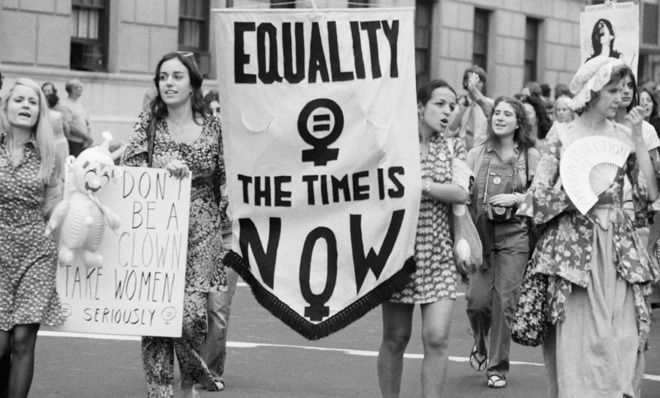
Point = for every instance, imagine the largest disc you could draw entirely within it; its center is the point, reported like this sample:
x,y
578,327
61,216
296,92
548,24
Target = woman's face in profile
x,y
531,115
605,35
609,99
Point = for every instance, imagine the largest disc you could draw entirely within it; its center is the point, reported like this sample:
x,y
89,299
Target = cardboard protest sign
x,y
610,30
322,155
139,288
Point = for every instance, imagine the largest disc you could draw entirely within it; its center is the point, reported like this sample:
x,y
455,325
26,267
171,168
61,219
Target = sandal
x,y
215,385
496,381
477,364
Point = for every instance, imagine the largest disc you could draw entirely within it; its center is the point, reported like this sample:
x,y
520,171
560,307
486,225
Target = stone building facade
x,y
112,46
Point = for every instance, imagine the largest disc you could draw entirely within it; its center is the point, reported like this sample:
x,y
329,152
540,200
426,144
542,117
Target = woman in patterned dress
x,y
502,166
599,272
179,135
29,188
433,284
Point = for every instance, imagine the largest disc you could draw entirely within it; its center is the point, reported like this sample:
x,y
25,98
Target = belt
x,y
12,214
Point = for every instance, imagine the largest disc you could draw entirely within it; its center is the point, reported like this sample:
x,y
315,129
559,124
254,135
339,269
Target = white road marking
x,y
246,345
243,284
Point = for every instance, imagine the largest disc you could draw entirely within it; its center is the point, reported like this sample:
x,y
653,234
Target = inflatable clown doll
x,y
80,215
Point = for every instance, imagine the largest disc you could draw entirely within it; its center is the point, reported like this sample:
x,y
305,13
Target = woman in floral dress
x,y
598,270
433,285
29,188
178,135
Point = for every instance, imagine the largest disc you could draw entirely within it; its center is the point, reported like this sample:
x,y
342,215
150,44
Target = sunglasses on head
x,y
186,53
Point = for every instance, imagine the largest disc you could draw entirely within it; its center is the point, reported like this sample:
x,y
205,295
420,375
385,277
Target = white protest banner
x,y
139,288
322,156
610,30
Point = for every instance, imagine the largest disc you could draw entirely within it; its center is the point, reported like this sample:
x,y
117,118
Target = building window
x,y
650,22
480,38
89,43
282,3
194,31
358,3
531,48
423,25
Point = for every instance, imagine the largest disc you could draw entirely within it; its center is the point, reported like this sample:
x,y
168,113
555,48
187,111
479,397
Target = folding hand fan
x,y
588,167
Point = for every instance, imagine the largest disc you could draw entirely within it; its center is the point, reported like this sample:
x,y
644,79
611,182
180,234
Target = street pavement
x,y
267,359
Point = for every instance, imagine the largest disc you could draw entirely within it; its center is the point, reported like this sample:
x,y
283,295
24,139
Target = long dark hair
x,y
654,101
543,121
595,39
425,91
654,118
521,134
158,107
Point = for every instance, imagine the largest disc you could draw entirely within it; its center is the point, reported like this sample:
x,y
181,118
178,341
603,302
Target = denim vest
x,y
495,177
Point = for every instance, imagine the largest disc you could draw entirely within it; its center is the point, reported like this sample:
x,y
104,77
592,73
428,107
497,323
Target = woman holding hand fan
x,y
599,272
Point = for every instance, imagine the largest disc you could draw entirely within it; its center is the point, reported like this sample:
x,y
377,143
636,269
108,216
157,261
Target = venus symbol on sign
x,y
325,117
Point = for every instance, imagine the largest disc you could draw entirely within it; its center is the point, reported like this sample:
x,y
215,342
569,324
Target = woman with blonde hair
x,y
29,188
561,112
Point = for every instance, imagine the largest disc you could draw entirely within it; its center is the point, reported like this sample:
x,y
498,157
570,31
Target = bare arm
x,y
448,193
485,103
457,116
634,118
53,196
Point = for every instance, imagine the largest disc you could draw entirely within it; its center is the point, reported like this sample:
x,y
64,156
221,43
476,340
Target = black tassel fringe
x,y
336,322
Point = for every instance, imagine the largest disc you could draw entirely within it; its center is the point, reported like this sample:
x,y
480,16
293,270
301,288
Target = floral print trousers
x,y
158,352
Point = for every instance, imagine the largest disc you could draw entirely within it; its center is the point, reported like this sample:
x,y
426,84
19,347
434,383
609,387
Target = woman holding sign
x,y
598,269
29,187
433,284
177,134
503,165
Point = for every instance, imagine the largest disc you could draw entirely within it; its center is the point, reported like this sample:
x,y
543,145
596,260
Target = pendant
x,y
497,180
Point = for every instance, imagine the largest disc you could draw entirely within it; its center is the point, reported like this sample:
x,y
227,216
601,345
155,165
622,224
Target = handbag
x,y
531,322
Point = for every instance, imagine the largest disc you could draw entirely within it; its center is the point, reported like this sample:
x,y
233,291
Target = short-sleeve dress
x,y
28,259
436,274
